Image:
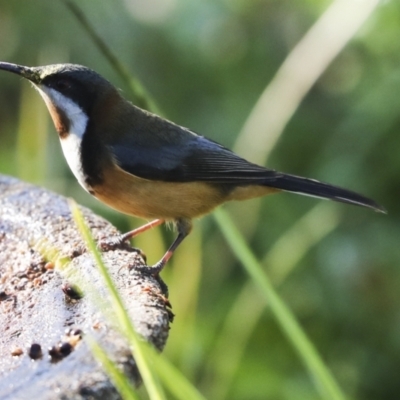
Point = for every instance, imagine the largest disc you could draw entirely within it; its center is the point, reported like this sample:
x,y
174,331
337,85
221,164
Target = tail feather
x,y
311,187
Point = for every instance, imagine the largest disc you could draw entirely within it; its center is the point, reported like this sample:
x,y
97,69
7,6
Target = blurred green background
x,y
206,63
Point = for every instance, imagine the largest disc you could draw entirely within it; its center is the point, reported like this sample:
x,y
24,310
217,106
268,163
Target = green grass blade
x,y
173,379
119,380
304,64
152,384
140,96
143,353
305,233
325,382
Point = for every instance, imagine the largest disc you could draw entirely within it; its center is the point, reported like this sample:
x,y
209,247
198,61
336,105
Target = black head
x,y
77,83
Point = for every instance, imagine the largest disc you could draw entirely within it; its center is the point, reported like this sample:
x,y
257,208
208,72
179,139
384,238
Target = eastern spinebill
x,y
143,165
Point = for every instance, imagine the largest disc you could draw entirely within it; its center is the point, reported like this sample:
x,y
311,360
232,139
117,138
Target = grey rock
x,y
47,305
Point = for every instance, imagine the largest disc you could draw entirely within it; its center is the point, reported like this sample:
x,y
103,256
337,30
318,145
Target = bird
x,y
143,165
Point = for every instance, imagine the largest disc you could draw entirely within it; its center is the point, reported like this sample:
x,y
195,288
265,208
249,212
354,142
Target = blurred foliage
x,y
206,64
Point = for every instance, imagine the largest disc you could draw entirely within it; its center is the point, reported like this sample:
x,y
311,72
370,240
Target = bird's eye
x,y
62,84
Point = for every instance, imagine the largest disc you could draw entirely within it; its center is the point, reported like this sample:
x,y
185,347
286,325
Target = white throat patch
x,y
71,143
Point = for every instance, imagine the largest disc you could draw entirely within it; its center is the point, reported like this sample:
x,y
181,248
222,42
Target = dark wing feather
x,y
179,155
191,158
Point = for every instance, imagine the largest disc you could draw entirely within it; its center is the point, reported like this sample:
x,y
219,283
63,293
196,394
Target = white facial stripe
x,y
71,146
71,143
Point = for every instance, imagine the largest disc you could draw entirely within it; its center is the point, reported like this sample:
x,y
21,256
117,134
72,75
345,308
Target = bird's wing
x,y
186,157
189,158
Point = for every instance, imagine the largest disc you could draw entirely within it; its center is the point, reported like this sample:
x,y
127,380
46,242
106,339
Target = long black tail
x,y
311,187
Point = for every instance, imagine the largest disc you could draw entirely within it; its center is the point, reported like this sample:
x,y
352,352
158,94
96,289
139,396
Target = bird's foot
x,y
106,244
118,242
153,270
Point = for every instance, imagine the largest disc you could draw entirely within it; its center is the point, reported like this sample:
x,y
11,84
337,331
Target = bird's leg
x,y
184,226
131,234
112,243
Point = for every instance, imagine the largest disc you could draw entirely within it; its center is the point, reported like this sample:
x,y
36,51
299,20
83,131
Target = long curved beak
x,y
26,72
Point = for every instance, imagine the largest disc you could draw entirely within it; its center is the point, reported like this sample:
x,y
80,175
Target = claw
x,y
118,242
147,269
110,243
